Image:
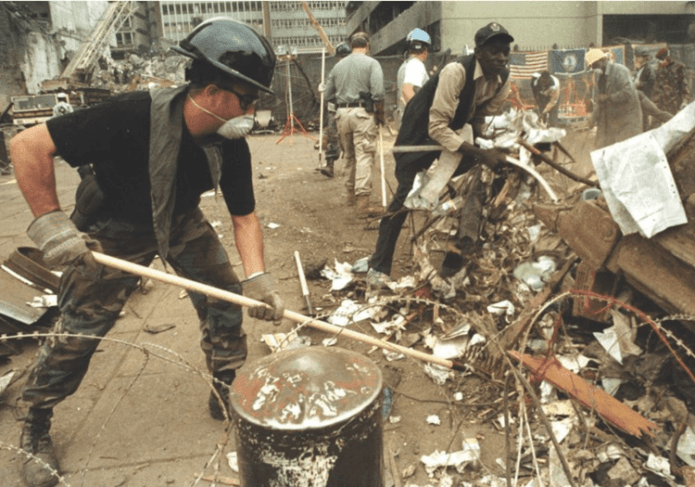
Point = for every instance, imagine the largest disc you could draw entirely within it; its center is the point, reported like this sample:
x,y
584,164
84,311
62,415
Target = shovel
x,y
142,271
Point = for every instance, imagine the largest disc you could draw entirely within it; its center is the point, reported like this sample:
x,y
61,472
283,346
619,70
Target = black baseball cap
x,y
493,29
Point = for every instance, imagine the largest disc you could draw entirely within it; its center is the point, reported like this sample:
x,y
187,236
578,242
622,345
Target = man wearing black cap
x,y
671,92
463,92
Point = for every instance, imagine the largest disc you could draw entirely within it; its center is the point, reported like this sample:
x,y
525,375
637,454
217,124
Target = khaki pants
x,y
358,132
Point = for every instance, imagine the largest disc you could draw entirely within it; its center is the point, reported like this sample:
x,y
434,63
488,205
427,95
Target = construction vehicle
x,y
73,82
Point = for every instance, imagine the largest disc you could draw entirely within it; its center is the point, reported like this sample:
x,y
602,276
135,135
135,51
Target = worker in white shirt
x,y
412,74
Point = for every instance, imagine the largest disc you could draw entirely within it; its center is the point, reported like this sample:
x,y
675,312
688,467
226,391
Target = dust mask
x,y
237,127
234,128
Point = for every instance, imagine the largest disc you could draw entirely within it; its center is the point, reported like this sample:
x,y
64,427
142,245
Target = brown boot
x,y
351,198
41,470
364,210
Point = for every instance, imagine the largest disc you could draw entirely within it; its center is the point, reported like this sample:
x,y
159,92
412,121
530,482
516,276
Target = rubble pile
x,y
595,368
139,72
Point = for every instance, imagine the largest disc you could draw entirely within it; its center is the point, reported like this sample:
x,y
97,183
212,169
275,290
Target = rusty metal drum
x,y
309,417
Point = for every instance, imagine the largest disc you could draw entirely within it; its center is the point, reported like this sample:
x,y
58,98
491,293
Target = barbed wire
x,y
149,350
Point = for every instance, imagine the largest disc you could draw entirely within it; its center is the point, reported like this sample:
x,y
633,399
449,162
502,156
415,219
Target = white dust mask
x,y
234,128
237,127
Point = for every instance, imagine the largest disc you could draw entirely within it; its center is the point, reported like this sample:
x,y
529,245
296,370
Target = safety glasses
x,y
245,101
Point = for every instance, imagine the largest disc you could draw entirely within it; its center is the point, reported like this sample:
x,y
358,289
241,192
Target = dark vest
x,y
416,117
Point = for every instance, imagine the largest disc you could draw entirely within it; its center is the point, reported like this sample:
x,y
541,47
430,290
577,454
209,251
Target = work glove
x,y
60,241
261,288
379,112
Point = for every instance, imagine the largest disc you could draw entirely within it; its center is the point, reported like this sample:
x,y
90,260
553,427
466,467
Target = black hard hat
x,y
342,49
234,48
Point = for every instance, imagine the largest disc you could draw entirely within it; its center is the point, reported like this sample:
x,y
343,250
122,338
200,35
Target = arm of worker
x,y
683,83
444,104
52,231
32,153
446,99
649,80
376,82
554,97
258,285
408,91
622,88
329,87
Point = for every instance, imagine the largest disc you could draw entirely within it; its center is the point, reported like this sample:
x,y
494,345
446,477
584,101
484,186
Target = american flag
x,y
523,64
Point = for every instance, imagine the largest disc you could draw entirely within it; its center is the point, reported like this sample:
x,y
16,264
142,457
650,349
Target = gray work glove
x,y
60,241
261,288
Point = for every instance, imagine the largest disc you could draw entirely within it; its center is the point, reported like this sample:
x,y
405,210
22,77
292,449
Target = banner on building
x,y
523,64
616,54
567,61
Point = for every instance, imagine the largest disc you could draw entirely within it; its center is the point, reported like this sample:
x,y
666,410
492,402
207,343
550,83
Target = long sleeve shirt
x,y
489,98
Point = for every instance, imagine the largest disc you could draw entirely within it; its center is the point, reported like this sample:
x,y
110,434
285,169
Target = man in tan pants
x,y
357,84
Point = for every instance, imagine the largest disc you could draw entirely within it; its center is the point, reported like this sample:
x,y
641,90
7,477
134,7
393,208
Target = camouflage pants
x,y
332,144
90,300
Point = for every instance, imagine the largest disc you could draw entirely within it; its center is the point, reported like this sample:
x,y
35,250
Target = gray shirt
x,y
357,72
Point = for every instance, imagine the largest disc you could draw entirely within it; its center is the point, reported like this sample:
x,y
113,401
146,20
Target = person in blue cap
x,y
412,74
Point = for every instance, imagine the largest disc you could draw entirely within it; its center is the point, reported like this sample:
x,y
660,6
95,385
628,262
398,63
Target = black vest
x,y
416,117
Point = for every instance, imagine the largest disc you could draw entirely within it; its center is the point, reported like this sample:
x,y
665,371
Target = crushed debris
x,y
549,290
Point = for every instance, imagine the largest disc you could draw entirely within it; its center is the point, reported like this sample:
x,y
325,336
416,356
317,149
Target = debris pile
x,y
591,359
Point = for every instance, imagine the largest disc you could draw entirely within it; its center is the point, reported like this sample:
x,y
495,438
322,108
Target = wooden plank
x,y
594,398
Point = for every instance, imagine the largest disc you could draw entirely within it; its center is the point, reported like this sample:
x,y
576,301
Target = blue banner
x,y
567,61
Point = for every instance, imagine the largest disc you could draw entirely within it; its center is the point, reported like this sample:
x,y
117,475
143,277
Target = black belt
x,y
350,105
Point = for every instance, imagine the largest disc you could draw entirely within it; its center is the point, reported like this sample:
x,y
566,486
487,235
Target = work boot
x,y
351,198
327,170
223,381
377,280
42,469
364,210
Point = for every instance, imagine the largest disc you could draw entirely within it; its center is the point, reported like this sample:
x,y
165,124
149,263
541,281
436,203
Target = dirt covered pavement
x,y
140,417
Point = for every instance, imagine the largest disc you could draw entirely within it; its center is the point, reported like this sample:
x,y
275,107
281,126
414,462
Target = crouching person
x,y
153,154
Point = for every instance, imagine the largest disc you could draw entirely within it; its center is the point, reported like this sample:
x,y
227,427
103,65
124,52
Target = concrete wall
x,y
419,15
534,25
74,21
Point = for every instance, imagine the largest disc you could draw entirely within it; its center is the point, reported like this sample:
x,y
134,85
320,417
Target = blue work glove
x,y
261,288
60,241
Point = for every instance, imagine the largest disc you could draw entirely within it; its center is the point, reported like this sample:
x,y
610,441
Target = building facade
x,y
534,25
134,34
283,23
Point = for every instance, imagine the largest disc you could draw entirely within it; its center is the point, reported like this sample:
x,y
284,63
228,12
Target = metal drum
x,y
309,417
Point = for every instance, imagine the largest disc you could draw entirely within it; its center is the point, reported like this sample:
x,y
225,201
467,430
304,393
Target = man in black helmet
x,y
463,92
153,154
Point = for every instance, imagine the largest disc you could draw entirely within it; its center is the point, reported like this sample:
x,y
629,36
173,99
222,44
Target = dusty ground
x,y
140,417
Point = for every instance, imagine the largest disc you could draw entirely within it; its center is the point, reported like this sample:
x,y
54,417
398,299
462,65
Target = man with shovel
x,y
463,92
153,154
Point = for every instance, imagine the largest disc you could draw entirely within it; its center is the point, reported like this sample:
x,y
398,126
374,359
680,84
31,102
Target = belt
x,y
350,105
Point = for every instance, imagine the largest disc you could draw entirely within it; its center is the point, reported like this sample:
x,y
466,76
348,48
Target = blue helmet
x,y
418,39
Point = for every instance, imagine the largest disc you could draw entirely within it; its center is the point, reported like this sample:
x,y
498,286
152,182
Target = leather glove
x,y
60,241
379,112
261,288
